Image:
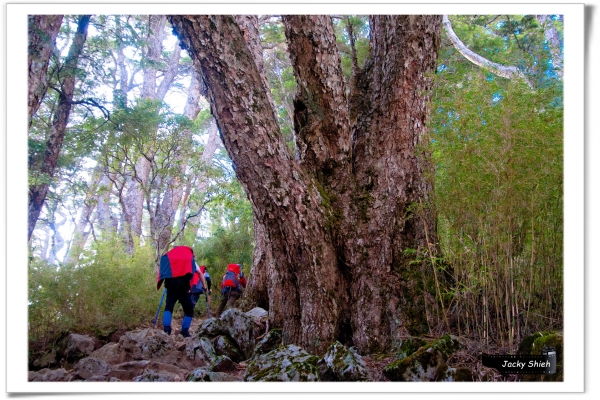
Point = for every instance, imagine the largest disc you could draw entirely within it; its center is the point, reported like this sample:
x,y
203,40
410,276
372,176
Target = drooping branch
x,y
508,72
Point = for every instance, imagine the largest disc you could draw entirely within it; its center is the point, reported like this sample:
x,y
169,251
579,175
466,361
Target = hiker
x,y
207,279
231,288
199,285
177,267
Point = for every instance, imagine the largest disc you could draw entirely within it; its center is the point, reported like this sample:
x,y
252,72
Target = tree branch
x,y
508,72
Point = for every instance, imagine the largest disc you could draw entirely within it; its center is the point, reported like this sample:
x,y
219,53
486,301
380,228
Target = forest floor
x,y
467,357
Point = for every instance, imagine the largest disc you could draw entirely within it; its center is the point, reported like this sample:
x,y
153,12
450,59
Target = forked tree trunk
x,y
336,221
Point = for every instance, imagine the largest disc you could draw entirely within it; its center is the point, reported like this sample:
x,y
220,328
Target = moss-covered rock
x,y
341,363
206,375
284,364
240,327
462,374
409,346
269,342
211,328
427,364
223,364
533,344
224,346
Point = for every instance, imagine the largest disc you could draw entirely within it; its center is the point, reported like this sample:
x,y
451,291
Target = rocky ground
x,y
240,347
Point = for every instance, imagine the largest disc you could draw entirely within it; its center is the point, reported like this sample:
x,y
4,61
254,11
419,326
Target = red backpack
x,y
230,280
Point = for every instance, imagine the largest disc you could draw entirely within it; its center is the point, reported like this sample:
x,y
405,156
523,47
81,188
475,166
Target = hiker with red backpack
x,y
177,268
231,289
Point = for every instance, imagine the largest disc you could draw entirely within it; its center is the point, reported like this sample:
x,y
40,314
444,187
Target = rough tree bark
x,y
337,220
47,165
43,30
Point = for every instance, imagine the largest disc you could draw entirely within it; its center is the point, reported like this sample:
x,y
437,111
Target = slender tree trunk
x,y
337,220
43,30
67,79
195,204
89,205
174,188
106,219
551,35
133,206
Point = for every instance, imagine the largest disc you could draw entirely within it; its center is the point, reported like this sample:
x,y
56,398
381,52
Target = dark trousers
x,y
178,290
228,298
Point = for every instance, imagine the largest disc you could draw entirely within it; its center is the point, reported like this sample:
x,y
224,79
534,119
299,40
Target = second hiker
x,y
231,289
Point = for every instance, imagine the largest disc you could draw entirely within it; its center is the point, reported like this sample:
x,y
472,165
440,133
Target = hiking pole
x,y
159,306
207,305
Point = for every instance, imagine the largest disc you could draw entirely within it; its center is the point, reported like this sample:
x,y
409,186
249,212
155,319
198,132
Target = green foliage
x,y
231,237
359,25
497,147
107,291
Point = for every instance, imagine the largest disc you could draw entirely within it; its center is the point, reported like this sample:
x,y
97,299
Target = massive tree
x,y
336,220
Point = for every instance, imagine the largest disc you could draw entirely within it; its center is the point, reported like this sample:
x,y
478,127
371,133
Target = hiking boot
x,y
167,330
185,333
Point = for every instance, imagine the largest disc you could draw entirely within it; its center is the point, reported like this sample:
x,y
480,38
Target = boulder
x,y
258,314
284,364
207,350
226,347
111,353
50,375
206,375
409,346
269,342
223,364
47,360
211,328
241,328
428,364
128,370
91,366
74,347
146,344
533,344
153,376
194,353
341,363
160,372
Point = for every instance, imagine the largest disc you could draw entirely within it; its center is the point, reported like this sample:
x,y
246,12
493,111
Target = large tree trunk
x,y
43,30
336,221
47,167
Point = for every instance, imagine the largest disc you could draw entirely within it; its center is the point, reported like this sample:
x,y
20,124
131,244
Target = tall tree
x,y
43,30
45,167
336,221
173,193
